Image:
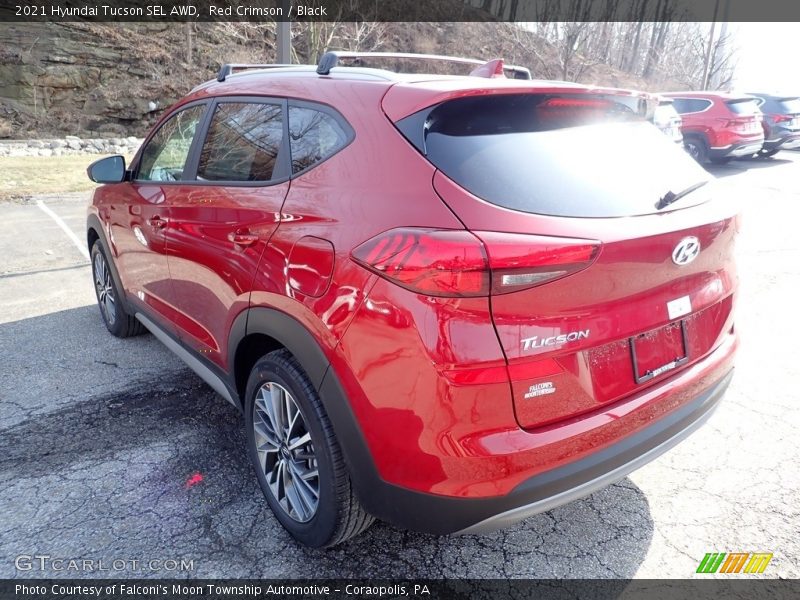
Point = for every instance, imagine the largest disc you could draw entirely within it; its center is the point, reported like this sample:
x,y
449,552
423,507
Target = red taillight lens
x,y
464,264
780,118
428,261
520,261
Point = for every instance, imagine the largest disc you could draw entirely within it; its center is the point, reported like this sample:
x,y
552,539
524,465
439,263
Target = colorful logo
x,y
734,562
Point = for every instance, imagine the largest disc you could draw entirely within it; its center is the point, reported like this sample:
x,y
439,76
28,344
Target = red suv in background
x,y
446,302
718,126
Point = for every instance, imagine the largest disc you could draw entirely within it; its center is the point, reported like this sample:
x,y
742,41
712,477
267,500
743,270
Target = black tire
x,y
697,148
768,153
721,160
338,515
117,320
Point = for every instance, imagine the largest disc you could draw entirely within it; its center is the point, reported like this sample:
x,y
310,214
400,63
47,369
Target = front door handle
x,y
157,222
242,237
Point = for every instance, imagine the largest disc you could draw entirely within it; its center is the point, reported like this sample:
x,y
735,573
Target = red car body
x,y
719,126
458,406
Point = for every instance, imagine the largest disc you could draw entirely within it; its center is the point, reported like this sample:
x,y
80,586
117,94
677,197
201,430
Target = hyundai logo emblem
x,y
686,251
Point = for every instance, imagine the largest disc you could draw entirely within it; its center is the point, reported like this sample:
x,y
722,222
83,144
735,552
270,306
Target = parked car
x,y
718,126
667,119
446,302
781,122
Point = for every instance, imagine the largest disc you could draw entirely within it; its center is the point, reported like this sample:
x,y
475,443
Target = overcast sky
x,y
768,57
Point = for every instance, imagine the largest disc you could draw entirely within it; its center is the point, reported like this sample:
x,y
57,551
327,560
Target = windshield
x,y
525,153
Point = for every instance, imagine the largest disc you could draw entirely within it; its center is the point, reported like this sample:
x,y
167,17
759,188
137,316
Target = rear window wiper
x,y
671,197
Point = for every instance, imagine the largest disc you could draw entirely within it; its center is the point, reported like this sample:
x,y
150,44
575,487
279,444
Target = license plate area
x,y
659,351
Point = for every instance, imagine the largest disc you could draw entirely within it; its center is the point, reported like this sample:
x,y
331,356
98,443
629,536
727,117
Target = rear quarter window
x,y
315,134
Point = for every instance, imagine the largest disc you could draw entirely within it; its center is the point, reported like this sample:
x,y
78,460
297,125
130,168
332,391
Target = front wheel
x,y
117,320
296,456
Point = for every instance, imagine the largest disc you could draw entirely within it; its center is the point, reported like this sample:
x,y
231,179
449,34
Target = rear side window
x,y
691,105
243,142
745,106
562,156
314,135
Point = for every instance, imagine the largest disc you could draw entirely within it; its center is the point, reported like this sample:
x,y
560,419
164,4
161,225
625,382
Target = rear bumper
x,y
786,142
645,426
560,486
745,148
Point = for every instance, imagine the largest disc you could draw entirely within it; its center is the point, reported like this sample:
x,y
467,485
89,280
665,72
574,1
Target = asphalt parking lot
x,y
112,449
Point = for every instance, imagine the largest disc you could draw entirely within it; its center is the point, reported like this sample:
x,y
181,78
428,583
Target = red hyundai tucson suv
x,y
447,302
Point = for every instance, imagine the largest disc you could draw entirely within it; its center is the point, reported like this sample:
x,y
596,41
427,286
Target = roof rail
x,y
331,59
228,69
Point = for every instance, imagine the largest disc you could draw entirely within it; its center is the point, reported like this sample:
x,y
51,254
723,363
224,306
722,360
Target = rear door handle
x,y
157,222
242,237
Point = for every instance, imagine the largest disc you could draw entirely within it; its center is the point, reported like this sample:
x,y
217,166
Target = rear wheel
x,y
722,160
297,458
697,148
116,319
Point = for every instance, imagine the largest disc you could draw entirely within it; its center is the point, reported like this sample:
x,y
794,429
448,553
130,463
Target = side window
x,y
243,142
680,105
164,156
690,105
313,136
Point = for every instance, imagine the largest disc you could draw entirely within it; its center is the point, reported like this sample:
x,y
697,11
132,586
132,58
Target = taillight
x,y
428,261
745,125
780,118
520,261
457,263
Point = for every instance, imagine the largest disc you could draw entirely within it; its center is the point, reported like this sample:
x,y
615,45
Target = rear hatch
x,y
746,117
786,114
612,267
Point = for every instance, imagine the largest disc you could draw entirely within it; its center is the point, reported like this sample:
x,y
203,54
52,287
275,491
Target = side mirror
x,y
107,170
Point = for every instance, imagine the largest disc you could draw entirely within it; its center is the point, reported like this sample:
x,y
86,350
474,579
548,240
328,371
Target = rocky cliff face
x,y
103,79
115,79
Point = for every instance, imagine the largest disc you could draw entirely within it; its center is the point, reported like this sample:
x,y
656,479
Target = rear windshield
x,y
743,107
789,106
555,155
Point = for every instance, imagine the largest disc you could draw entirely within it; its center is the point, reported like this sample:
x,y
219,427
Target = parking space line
x,y
60,222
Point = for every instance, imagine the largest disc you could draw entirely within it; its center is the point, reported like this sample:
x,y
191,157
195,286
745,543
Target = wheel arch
x,y
259,330
96,233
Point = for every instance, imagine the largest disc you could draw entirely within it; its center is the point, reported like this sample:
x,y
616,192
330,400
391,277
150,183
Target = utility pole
x,y
710,48
283,31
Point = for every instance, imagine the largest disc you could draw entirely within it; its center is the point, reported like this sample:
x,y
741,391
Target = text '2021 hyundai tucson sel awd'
x,y
447,302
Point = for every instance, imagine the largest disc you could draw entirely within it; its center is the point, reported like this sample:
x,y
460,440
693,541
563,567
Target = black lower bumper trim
x,y
445,515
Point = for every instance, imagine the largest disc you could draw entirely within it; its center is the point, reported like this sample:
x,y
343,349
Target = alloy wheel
x,y
285,452
104,288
